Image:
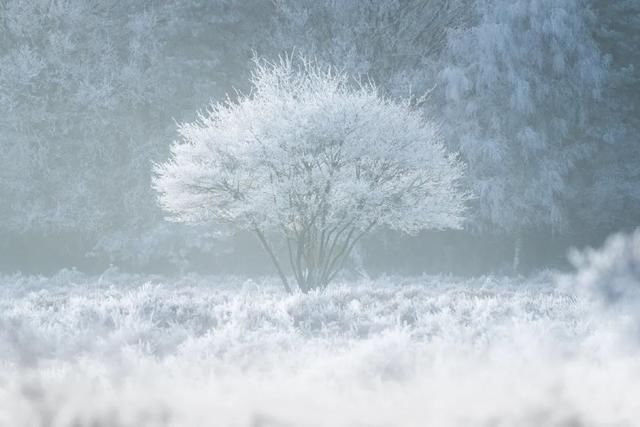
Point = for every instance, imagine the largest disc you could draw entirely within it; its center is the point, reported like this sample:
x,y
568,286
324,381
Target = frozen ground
x,y
124,350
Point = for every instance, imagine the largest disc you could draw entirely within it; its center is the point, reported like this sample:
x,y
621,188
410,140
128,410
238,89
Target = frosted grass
x,y
122,350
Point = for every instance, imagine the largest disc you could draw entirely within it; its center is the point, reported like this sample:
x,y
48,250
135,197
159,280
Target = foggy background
x,y
540,98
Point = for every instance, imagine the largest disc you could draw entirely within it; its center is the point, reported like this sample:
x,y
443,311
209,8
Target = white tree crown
x,y
310,148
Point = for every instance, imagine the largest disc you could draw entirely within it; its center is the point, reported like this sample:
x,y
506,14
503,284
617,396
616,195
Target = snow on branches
x,y
315,158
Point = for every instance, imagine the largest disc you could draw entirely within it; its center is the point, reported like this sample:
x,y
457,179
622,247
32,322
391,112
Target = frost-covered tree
x,y
315,159
68,73
519,86
394,42
609,184
87,91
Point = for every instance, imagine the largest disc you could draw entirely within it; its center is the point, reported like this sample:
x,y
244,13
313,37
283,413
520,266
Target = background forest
x,y
119,116
540,98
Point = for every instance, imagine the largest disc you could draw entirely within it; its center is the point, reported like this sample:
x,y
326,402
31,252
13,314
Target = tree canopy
x,y
316,159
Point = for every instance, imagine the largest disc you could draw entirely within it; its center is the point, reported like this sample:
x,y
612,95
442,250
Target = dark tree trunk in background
x,y
517,249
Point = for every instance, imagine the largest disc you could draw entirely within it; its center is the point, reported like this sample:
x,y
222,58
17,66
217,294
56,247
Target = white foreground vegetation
x,y
316,159
122,350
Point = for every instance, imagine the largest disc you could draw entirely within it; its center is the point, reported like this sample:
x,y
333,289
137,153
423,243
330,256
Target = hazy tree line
x,y
539,97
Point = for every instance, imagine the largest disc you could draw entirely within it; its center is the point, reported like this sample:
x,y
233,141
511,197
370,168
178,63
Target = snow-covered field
x,y
122,350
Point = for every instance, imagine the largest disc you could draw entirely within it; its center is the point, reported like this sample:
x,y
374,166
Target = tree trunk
x,y
517,248
274,259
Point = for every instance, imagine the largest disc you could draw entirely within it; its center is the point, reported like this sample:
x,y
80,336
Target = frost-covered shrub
x,y
316,159
135,350
611,275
